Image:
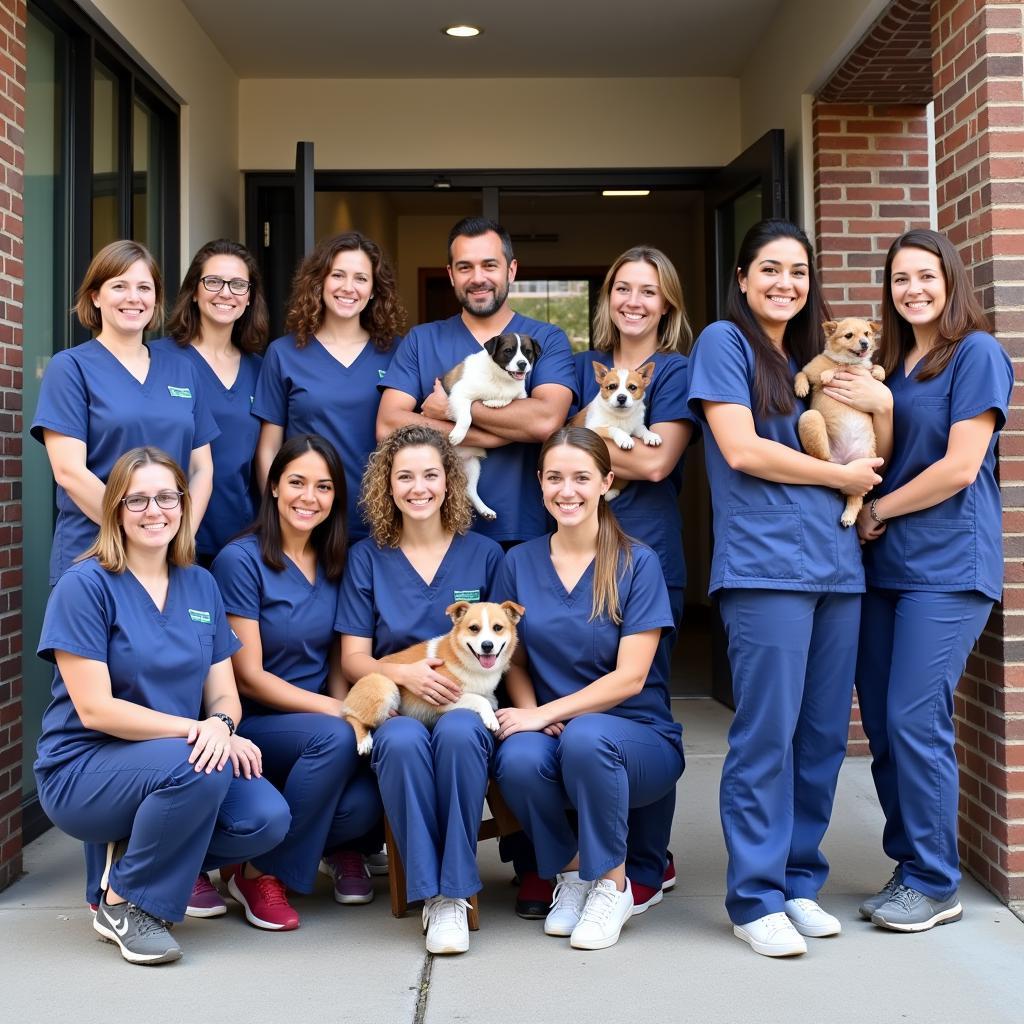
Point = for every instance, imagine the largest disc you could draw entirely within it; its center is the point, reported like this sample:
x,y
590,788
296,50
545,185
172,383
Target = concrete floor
x,y
678,962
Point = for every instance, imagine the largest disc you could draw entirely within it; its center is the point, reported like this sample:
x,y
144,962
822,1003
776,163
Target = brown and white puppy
x,y
496,376
618,409
476,653
830,430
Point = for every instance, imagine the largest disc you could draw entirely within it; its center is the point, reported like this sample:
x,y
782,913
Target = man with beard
x,y
481,268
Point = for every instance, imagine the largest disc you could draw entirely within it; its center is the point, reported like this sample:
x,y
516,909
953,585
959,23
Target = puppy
x,y
496,376
618,409
476,653
830,430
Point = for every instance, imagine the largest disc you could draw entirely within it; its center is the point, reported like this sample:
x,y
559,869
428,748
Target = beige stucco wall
x,y
427,124
166,40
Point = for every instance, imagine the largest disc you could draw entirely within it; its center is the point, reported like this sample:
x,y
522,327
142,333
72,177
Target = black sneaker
x,y
143,938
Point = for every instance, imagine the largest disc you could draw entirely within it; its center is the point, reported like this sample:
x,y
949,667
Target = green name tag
x,y
198,616
179,392
467,595
380,373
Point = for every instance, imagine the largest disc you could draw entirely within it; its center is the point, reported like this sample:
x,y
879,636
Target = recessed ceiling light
x,y
626,192
462,31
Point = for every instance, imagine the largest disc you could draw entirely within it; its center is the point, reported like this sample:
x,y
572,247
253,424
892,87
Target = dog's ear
x,y
829,327
646,373
514,611
456,611
536,347
491,345
875,326
600,371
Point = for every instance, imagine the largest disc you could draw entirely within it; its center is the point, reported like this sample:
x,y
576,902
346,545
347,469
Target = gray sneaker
x,y
872,903
143,938
908,910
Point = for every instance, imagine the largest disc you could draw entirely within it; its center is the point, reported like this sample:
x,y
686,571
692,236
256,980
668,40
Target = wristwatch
x,y
227,720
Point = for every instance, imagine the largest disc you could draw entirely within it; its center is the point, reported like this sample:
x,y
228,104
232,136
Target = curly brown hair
x,y
379,507
383,317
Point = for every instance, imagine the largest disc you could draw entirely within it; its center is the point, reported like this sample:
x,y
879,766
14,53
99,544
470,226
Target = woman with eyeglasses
x,y
322,378
136,744
219,320
115,392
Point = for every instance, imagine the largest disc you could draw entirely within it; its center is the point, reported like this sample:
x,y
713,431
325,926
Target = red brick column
x,y
978,66
12,164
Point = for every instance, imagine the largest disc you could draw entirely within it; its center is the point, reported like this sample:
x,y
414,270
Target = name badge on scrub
x,y
467,595
200,616
179,392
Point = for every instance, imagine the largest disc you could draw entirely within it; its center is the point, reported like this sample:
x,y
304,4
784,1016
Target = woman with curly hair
x,y
419,559
321,377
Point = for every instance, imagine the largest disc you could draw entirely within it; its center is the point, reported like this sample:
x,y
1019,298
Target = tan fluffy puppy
x,y
476,653
830,430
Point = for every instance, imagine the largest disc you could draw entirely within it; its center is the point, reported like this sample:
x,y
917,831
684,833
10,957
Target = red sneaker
x,y
533,900
644,897
669,881
264,900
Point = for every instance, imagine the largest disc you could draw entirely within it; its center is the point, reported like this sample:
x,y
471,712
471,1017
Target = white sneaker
x,y
567,904
809,919
446,925
377,863
604,914
771,935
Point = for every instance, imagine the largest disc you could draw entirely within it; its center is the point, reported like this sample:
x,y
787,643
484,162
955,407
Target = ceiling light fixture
x,y
462,31
626,192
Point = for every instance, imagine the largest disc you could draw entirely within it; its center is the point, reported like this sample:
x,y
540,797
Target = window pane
x,y
147,184
105,227
565,303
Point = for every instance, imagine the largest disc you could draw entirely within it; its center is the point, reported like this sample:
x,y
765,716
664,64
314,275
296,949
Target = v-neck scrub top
x,y
768,536
508,476
957,544
647,510
565,651
307,391
88,394
231,507
385,599
296,617
156,658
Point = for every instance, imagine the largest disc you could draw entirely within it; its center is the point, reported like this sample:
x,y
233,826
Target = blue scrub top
x,y
385,599
87,394
158,659
296,617
508,477
957,544
231,508
650,511
308,391
768,536
565,652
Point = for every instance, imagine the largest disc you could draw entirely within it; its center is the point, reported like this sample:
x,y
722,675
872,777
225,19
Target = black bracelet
x,y
874,512
227,720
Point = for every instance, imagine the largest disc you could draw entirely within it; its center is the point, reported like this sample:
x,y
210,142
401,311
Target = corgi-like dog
x,y
618,409
830,430
496,376
475,651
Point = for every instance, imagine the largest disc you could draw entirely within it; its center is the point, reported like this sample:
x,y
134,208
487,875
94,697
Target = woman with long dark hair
x,y
788,580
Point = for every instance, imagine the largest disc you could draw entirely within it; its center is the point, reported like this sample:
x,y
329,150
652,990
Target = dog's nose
x,y
863,346
621,399
487,646
521,364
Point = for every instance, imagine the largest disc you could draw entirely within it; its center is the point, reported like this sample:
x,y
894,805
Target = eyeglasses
x,y
237,285
140,502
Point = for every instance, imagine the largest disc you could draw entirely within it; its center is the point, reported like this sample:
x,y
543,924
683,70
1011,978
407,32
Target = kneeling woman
x,y
601,740
280,587
142,722
419,559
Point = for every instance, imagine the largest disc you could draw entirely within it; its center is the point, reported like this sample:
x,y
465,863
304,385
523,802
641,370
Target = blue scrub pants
x,y
178,821
793,656
913,648
602,766
433,784
333,798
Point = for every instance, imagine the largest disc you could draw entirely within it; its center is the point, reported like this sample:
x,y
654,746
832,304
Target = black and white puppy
x,y
496,376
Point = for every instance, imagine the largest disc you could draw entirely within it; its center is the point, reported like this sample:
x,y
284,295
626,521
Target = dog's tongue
x,y
517,375
487,660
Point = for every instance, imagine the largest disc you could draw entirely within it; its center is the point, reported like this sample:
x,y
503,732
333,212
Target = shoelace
x,y
890,887
776,923
271,891
448,911
567,892
203,886
349,864
600,903
905,898
145,923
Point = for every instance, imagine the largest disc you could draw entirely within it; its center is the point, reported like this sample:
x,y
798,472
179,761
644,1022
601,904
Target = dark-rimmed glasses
x,y
236,285
140,502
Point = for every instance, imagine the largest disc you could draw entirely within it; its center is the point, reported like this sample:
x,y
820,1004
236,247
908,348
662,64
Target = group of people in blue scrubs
x,y
322,491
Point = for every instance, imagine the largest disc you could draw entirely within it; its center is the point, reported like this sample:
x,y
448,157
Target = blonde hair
x,y
112,261
614,554
378,505
674,331
109,548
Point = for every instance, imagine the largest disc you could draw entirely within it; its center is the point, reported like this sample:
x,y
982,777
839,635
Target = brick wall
x,y
12,162
979,141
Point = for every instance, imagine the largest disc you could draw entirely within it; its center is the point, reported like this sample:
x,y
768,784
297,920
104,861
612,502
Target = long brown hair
x,y
111,261
773,379
383,316
961,315
249,331
109,548
674,332
614,554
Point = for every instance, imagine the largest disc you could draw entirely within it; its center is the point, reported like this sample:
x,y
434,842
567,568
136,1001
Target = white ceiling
x,y
521,38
